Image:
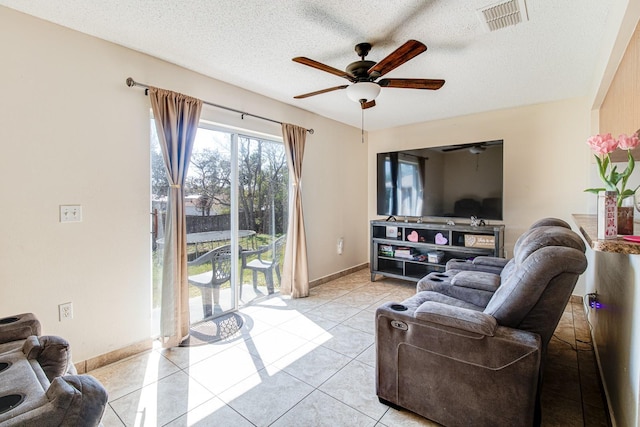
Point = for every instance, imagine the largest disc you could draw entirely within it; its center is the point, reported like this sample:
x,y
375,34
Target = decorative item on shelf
x,y
441,240
479,241
403,252
451,222
607,215
636,198
385,250
435,256
413,236
602,146
392,232
476,222
625,217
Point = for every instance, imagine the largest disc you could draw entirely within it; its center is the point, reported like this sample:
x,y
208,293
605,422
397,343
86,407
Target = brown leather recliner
x,y
460,364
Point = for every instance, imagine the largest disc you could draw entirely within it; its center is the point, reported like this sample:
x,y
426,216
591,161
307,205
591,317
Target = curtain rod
x,y
132,83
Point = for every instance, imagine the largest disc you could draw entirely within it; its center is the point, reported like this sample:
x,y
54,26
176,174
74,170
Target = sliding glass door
x,y
263,200
236,200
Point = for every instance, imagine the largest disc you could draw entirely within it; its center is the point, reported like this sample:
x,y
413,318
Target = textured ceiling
x,y
250,44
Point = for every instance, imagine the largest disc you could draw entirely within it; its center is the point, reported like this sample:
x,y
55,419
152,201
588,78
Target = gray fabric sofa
x,y
495,265
38,384
461,361
478,286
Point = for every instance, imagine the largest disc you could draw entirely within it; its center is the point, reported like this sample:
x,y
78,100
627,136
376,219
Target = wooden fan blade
x,y
322,67
368,104
430,84
407,51
318,92
444,150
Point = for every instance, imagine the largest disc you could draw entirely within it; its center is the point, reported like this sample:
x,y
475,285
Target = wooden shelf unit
x,y
460,241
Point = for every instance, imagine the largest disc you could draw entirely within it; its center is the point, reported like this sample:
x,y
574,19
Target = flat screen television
x,y
451,181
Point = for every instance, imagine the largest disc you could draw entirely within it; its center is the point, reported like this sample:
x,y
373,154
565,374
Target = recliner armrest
x,y
487,264
490,261
457,317
476,280
72,400
18,327
52,353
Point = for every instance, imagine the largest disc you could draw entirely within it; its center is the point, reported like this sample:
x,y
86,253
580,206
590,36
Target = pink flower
x,y
602,144
628,142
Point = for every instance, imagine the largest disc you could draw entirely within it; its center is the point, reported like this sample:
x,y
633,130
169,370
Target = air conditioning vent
x,y
503,14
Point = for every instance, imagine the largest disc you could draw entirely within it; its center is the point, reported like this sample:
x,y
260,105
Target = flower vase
x,y
607,215
625,217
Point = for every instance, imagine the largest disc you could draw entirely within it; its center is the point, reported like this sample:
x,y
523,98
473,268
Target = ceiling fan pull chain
x,y
362,123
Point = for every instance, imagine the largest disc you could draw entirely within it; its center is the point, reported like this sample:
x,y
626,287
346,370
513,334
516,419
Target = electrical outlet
x,y
70,213
65,311
594,301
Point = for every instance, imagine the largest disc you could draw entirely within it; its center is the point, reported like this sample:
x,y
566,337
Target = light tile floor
x,y
311,362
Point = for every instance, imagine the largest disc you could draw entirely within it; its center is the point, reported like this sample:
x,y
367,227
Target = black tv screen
x,y
451,181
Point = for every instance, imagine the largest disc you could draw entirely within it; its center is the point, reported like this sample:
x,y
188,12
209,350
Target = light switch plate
x,y
70,213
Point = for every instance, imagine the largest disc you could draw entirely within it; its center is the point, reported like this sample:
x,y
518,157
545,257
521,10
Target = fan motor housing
x,y
360,68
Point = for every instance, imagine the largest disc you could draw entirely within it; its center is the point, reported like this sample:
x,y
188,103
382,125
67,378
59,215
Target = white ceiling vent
x,y
503,14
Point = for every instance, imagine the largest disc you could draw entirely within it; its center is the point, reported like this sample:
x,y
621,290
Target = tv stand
x,y
411,250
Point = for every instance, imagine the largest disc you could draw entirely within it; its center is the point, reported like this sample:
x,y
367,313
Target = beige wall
x,y
620,111
546,162
73,133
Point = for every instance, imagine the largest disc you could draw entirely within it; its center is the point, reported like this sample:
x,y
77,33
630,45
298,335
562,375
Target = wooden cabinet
x,y
411,250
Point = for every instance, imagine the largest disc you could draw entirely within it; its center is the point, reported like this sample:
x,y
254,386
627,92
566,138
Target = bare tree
x,y
262,182
250,153
262,174
209,178
159,182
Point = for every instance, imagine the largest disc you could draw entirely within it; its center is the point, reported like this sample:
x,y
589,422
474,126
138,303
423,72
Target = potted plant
x,y
602,146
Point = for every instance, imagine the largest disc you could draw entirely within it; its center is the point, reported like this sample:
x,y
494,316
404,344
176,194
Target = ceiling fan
x,y
476,148
363,74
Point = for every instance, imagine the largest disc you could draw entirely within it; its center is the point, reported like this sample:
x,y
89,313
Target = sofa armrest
x,y
490,261
18,327
476,280
457,317
482,263
72,400
52,353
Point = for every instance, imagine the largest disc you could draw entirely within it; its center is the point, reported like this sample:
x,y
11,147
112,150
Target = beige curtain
x,y
295,270
176,117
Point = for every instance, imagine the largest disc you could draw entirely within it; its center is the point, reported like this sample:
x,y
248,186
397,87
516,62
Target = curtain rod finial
x,y
130,82
310,131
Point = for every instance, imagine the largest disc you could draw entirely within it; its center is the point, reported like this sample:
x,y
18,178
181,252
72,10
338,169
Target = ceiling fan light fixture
x,y
367,91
